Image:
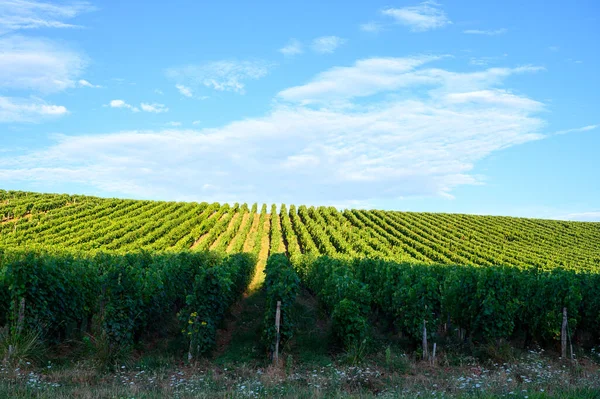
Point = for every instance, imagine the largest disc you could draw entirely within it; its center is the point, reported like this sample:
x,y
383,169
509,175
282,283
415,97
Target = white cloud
x,y
372,27
122,104
220,75
583,216
485,32
159,91
183,90
365,77
421,135
386,75
146,107
173,124
119,104
579,129
293,47
28,110
423,17
554,48
36,64
31,14
483,61
196,122
327,44
85,83
495,97
154,107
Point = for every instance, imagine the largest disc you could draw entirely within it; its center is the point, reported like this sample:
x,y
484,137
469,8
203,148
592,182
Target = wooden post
x,y
21,318
425,350
277,324
433,356
563,335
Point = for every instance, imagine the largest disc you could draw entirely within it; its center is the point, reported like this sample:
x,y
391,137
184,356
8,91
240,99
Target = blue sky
x,y
456,106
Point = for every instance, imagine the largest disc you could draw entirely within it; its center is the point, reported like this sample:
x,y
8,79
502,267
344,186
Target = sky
x,y
456,106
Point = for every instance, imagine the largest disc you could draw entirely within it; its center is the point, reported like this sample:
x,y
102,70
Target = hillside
x,y
175,299
90,223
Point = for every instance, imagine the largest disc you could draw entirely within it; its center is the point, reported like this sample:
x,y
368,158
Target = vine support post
x,y
425,349
277,325
21,316
563,335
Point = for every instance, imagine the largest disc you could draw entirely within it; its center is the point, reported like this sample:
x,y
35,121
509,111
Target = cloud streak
x,y
226,75
583,216
371,27
30,14
577,130
184,90
327,44
85,83
155,108
293,47
28,110
485,32
420,18
40,65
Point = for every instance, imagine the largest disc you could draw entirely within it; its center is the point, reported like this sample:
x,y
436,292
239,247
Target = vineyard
x,y
116,269
30,220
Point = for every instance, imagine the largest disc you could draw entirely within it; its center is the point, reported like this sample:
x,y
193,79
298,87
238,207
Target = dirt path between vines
x,y
246,315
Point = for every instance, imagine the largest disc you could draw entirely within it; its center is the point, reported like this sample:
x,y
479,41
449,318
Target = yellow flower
x,y
204,323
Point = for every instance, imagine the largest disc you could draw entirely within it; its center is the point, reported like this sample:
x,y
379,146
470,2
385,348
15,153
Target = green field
x,y
113,281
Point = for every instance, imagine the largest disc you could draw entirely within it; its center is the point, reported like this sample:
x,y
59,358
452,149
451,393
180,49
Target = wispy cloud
x,y
484,61
184,90
579,129
28,110
293,47
386,75
38,65
420,18
30,14
327,44
122,104
372,27
85,83
424,142
495,97
173,124
220,75
486,32
154,107
583,216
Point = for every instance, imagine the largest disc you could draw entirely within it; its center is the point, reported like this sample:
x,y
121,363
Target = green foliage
x,y
58,291
349,323
57,295
490,303
214,290
344,296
